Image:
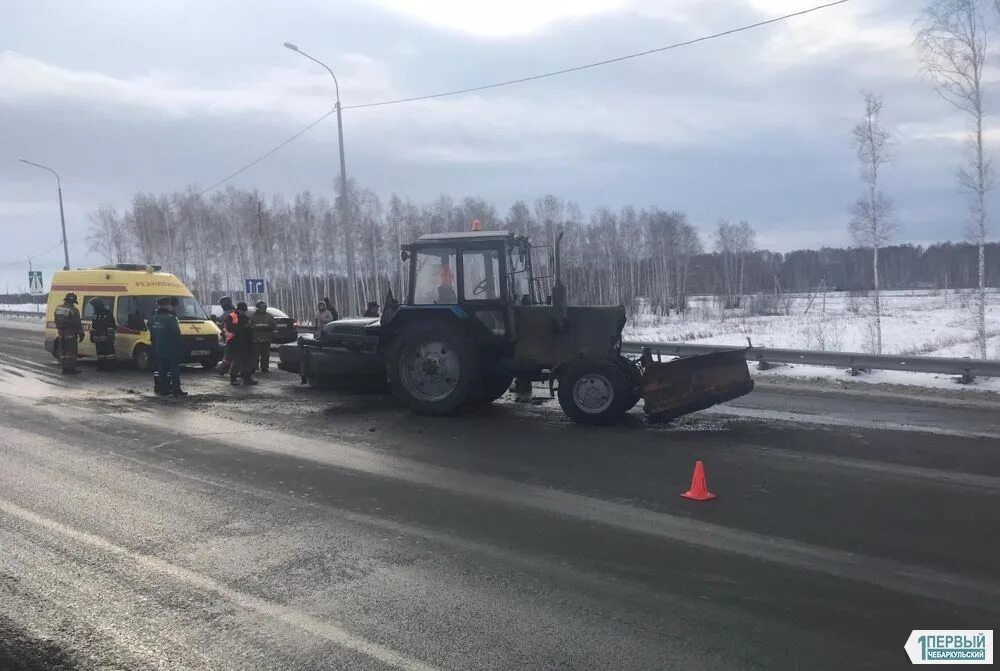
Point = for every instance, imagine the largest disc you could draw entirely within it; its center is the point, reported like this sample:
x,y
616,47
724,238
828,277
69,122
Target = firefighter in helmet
x,y
102,334
263,324
70,330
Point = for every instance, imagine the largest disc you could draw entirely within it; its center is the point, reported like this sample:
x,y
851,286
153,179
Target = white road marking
x,y
289,616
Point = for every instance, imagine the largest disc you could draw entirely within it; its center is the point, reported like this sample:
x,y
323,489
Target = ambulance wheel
x,y
142,359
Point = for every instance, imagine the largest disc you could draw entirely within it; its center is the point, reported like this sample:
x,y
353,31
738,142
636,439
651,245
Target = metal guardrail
x,y
23,313
855,361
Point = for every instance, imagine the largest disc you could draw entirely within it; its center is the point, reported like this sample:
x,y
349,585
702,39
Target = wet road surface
x,y
278,527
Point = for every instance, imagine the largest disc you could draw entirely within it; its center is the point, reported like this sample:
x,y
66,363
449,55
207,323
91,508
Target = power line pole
x,y
345,217
62,215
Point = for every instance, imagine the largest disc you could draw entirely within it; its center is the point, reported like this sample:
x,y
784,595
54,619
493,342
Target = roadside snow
x,y
22,324
892,377
36,307
913,323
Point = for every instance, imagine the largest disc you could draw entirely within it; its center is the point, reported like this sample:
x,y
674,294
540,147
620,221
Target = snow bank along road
x,y
281,528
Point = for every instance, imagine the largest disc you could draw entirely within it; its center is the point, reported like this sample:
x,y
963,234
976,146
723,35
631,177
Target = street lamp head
x,y
289,45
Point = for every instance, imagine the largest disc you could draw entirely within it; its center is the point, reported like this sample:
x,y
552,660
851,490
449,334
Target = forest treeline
x,y
610,256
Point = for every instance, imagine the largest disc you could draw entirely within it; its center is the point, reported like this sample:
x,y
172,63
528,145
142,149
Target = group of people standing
x,y
69,327
248,337
164,334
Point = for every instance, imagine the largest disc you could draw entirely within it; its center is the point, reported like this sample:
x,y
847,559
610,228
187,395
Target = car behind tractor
x,y
472,321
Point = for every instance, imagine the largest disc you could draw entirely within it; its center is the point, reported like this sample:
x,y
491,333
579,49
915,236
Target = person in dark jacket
x,y
168,348
372,310
240,345
226,303
263,325
70,330
102,334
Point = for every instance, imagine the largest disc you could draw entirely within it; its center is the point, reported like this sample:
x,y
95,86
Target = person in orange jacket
x,y
226,303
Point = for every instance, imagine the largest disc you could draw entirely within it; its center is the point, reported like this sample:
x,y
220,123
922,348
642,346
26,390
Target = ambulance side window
x,y
130,313
88,309
121,312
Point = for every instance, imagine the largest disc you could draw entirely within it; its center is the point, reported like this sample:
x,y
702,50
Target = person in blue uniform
x,y
168,348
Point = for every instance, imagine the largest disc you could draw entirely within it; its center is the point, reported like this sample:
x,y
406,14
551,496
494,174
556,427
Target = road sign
x,y
35,282
255,286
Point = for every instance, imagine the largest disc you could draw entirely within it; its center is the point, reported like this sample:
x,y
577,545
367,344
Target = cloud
x,y
500,18
297,93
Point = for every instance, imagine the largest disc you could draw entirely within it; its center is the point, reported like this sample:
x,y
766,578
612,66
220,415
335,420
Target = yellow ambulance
x,y
130,292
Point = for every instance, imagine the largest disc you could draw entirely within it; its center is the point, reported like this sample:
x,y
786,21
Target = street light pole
x,y
345,217
62,215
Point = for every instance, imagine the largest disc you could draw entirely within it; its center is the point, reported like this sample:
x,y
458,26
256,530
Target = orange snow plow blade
x,y
693,383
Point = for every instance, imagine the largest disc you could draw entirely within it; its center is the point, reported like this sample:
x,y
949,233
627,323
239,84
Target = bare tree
x,y
872,224
953,47
734,242
107,235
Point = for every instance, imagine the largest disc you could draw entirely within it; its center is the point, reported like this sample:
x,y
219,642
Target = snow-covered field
x,y
40,307
28,323
913,323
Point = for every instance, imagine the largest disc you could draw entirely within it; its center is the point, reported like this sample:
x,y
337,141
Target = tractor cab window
x,y
519,277
434,277
481,275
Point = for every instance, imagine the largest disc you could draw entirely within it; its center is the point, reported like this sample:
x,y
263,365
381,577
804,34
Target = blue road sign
x,y
254,286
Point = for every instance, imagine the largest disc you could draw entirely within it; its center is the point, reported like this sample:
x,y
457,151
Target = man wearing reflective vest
x,y
226,303
240,345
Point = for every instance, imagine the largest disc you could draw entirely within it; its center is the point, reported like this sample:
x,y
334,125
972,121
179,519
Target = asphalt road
x,y
278,527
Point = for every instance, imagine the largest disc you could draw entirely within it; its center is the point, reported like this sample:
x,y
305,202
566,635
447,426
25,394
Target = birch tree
x,y
734,242
872,223
108,235
953,46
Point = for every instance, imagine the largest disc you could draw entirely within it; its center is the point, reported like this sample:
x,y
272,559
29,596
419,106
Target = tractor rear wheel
x,y
594,390
433,369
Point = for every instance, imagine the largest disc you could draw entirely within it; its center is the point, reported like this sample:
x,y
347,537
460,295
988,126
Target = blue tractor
x,y
472,321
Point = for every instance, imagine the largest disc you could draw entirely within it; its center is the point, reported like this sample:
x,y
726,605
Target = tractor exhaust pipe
x,y
559,299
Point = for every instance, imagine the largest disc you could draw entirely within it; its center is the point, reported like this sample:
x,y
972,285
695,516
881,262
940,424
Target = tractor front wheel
x,y
595,390
433,369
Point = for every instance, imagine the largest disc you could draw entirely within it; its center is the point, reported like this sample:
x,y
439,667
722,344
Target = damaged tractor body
x,y
473,319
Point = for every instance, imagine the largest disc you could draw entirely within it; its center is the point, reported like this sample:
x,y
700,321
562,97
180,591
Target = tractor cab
x,y
478,275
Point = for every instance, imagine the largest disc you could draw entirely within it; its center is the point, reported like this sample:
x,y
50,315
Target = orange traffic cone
x,y
699,488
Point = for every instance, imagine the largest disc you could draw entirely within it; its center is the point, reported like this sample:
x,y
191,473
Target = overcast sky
x,y
121,96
